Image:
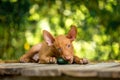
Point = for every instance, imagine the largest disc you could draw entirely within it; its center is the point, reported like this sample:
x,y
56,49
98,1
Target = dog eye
x,y
68,45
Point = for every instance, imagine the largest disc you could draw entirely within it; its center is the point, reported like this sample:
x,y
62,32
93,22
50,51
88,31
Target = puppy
x,y
53,47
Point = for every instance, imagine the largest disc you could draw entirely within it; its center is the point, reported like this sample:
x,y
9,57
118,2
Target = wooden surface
x,y
98,70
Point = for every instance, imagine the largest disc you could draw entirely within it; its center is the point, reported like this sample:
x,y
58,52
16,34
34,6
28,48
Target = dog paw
x,y
83,61
80,60
47,60
52,60
24,60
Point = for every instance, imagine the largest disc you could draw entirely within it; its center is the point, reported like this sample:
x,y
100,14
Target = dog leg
x,y
28,57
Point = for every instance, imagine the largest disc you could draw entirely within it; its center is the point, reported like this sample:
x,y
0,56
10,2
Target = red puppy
x,y
54,47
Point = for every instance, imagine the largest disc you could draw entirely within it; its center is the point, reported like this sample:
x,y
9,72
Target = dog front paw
x,y
80,60
47,60
24,60
52,60
83,61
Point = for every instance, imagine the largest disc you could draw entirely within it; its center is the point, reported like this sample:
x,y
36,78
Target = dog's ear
x,y
48,38
72,33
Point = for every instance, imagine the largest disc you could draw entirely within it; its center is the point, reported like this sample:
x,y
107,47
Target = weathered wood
x,y
99,70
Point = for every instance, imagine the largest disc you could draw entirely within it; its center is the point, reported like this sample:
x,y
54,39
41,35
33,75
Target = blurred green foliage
x,y
98,24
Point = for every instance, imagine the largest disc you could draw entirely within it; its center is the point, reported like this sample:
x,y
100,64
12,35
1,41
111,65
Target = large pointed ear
x,y
72,33
48,38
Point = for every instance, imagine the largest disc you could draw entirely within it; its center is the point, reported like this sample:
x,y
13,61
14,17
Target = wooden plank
x,y
88,70
19,65
15,68
114,72
74,70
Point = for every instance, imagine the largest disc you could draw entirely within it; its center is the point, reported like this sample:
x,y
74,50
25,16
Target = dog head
x,y
62,43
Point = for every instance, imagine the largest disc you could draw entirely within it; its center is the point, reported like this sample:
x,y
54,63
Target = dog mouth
x,y
69,60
